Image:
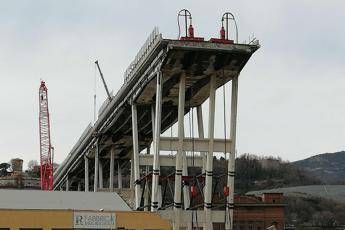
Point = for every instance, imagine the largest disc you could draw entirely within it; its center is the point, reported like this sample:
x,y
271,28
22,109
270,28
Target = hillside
x,y
257,173
313,205
330,192
329,168
309,201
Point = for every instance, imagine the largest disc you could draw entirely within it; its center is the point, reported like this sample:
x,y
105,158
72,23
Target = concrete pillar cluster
x,y
136,156
111,169
231,162
179,154
86,173
100,174
96,177
181,167
209,159
157,133
119,175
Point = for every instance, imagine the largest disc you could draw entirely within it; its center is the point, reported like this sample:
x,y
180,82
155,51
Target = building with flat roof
x,y
72,210
34,209
259,212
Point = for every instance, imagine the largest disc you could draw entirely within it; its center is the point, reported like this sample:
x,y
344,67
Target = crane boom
x,y
105,85
46,155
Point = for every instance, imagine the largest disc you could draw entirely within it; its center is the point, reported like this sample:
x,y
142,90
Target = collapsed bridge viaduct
x,y
167,79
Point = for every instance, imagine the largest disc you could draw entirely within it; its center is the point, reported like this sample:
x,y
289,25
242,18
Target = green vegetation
x,y
257,173
303,210
314,211
4,167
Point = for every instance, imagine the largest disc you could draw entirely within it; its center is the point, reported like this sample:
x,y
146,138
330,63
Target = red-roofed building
x,y
259,212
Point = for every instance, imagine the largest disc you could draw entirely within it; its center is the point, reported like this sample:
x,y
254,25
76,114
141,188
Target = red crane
x,y
46,149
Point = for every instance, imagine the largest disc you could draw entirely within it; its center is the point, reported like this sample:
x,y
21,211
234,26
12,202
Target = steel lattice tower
x,y
46,156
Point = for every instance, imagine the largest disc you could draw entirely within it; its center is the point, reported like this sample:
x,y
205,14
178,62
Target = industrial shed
x,y
24,209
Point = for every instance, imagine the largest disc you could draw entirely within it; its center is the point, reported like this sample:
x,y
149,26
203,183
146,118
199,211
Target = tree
x,y
33,168
324,219
32,164
4,169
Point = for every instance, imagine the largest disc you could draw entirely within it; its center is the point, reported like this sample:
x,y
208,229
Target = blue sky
x,y
291,93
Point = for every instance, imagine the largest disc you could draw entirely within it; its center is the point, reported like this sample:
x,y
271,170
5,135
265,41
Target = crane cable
x,y
191,127
191,135
191,130
224,120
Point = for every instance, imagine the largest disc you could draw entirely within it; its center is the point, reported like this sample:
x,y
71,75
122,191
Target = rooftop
x,y
60,200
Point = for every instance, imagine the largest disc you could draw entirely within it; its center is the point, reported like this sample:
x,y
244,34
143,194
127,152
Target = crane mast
x,y
104,84
46,155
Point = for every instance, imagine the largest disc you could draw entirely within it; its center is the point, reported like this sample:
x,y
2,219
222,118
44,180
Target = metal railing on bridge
x,y
145,50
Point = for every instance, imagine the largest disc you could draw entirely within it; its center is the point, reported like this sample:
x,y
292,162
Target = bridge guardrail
x,y
145,50
83,135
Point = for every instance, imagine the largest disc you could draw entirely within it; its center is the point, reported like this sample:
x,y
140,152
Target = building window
x,y
241,226
30,228
63,228
259,225
250,226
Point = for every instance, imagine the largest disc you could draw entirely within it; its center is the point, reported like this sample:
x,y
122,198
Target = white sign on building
x,y
94,220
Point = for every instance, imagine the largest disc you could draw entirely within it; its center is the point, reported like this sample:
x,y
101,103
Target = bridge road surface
x,y
196,60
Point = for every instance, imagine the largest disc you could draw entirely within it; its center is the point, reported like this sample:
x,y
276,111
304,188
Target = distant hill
x,y
257,173
329,168
310,202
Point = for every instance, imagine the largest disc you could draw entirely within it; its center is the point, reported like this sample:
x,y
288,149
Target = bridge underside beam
x,y
195,144
169,160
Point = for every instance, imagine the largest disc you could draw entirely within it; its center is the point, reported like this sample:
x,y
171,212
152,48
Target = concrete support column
x,y
119,175
153,121
159,196
157,133
146,193
136,156
186,196
67,184
179,154
100,165
111,169
231,161
86,173
131,178
95,180
201,134
146,200
209,160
